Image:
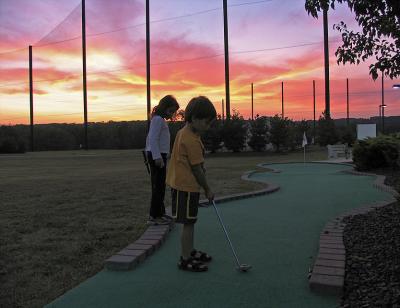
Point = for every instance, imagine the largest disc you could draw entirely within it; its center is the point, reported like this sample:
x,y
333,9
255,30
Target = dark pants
x,y
157,208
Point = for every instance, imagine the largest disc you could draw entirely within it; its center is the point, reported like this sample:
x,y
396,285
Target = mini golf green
x,y
277,234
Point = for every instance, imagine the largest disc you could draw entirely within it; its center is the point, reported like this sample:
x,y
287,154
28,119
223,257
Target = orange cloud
x,y
117,74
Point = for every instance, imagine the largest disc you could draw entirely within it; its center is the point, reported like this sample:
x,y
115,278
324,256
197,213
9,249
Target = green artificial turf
x,y
277,234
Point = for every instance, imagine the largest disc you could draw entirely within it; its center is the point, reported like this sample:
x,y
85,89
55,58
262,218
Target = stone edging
x,y
246,177
327,274
129,257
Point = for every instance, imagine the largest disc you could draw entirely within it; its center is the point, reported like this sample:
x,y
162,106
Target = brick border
x,y
246,177
135,253
328,271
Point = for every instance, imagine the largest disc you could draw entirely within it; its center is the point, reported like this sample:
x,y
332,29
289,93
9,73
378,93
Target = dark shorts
x,y
185,206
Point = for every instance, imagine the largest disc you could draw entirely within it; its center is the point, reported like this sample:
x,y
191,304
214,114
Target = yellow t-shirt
x,y
188,150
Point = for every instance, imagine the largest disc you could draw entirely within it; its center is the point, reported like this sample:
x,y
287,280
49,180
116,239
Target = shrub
x,y
279,131
326,131
12,145
258,131
11,141
348,135
212,138
296,133
53,138
379,152
174,127
234,132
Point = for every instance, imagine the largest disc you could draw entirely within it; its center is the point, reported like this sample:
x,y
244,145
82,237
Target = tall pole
x,y
222,109
252,102
326,60
226,45
347,95
31,95
283,113
383,104
314,107
84,73
148,62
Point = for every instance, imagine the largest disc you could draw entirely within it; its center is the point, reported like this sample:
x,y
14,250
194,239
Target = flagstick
x,y
304,146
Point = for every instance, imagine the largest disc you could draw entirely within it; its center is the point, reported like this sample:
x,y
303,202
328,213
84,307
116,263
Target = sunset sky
x,y
269,42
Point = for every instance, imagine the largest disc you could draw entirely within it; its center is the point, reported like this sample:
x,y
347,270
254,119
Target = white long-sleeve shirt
x,y
158,138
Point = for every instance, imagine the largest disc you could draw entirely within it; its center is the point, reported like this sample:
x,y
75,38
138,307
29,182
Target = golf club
x,y
240,267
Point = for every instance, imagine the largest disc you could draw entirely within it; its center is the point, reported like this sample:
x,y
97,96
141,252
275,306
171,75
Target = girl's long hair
x,y
165,103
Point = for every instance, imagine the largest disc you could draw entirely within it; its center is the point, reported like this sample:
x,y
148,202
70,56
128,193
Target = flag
x,y
304,140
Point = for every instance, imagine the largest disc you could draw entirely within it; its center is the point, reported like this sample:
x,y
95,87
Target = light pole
x,y
283,112
382,116
314,110
252,103
326,63
226,54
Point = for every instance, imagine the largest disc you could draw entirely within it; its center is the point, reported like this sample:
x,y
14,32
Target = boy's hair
x,y
200,108
165,103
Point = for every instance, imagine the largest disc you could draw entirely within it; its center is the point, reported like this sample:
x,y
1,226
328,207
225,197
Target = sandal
x,y
200,256
191,265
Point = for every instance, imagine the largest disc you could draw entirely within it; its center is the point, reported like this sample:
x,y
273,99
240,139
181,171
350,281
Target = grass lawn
x,y
63,213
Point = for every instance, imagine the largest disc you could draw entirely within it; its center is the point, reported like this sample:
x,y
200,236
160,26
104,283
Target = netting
x,y
270,42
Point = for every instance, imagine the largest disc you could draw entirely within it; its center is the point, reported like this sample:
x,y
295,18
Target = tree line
x,y
237,134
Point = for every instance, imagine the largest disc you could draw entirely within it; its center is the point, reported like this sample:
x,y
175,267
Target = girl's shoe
x,y
167,217
192,265
157,221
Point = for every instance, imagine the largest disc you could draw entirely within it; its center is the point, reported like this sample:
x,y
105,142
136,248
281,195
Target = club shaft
x,y
226,234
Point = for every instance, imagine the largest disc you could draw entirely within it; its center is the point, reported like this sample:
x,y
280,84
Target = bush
x,y
12,145
11,141
234,132
174,127
348,134
296,133
280,131
49,137
212,138
258,131
326,131
379,152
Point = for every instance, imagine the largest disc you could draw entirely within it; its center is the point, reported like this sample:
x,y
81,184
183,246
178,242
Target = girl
x,y
157,150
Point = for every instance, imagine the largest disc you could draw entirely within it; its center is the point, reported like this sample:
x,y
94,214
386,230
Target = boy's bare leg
x,y
187,239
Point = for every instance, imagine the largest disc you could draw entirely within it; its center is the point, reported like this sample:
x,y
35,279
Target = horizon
x,y
373,118
187,60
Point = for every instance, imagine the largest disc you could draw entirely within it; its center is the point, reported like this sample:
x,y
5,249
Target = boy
x,y
186,175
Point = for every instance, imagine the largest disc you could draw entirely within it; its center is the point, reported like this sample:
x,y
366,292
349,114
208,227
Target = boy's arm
x,y
200,176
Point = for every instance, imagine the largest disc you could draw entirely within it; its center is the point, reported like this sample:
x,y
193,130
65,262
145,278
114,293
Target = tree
x,y
279,131
234,132
52,137
10,141
380,36
212,138
297,130
348,134
326,132
258,131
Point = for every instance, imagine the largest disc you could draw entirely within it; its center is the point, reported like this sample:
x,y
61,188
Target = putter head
x,y
244,267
